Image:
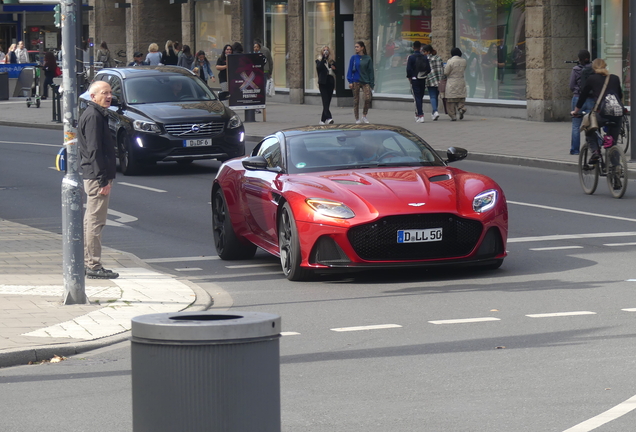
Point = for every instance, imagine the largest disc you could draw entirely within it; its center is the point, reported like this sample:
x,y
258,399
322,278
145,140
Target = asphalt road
x,y
545,343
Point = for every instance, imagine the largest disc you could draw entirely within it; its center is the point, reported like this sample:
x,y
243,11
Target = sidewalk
x,y
35,326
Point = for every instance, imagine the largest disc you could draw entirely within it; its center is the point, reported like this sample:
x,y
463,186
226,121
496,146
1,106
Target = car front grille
x,y
377,241
185,130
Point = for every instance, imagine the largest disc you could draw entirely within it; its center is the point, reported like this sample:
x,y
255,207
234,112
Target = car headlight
x,y
146,126
330,208
234,122
485,201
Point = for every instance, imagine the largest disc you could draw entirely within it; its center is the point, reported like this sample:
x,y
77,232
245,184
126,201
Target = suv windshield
x,y
347,149
172,88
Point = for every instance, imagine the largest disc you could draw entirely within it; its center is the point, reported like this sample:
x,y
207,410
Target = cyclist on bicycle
x,y
592,89
576,79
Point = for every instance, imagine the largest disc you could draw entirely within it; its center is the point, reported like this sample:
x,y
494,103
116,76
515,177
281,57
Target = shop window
x,y
213,28
276,39
491,35
320,30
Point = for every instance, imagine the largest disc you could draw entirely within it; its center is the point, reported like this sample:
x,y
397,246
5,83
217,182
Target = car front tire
x,y
127,160
289,243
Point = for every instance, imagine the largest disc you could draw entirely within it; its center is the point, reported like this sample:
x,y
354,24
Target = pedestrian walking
x,y
221,66
577,82
489,67
138,60
186,58
433,79
169,56
326,69
50,72
417,69
361,79
11,57
201,67
153,58
21,53
455,84
269,66
97,165
103,55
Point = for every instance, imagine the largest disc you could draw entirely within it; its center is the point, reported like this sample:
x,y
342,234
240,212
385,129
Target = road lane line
x,y
252,265
570,236
370,327
141,187
629,310
611,414
36,144
289,333
188,269
556,248
572,211
560,314
465,320
620,244
179,259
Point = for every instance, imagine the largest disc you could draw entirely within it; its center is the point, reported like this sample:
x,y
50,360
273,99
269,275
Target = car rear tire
x,y
127,161
227,245
290,257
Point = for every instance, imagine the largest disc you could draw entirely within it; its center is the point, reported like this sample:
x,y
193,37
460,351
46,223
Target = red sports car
x,y
355,196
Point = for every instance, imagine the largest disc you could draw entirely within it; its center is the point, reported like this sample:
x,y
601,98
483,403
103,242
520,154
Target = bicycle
x,y
612,165
623,136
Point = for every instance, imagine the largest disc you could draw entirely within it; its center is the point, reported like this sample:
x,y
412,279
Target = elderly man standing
x,y
98,166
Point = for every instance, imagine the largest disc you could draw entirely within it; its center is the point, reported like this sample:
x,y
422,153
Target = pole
x,y
632,77
248,44
72,190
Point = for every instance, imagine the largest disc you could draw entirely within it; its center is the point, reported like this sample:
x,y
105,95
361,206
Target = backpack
x,y
585,74
422,67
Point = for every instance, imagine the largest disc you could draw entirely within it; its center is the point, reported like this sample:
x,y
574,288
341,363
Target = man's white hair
x,y
95,85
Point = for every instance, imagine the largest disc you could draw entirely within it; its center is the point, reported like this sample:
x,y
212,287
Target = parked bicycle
x,y
611,164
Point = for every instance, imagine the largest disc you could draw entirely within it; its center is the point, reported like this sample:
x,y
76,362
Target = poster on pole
x,y
246,81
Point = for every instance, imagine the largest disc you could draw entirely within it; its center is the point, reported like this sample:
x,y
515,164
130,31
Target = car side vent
x,y
438,178
327,252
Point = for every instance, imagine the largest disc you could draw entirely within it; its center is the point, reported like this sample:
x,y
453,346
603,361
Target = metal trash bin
x,y
4,85
206,371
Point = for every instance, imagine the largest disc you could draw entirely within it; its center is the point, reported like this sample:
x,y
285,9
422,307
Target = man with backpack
x,y
417,68
579,75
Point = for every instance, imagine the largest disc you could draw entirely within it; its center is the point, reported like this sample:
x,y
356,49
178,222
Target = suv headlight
x,y
234,122
146,126
485,201
330,208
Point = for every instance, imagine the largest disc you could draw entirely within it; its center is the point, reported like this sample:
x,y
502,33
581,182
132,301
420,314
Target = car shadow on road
x,y
166,169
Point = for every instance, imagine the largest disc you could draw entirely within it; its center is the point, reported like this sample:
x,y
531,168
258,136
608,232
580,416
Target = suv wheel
x,y
127,160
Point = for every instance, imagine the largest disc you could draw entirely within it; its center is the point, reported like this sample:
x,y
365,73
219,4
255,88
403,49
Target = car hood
x,y
180,112
401,190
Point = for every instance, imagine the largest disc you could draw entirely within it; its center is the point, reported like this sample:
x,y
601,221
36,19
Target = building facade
x,y
516,49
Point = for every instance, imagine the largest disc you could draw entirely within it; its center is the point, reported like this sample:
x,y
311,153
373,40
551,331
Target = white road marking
x,y
188,269
556,248
572,211
180,259
570,236
289,333
465,320
252,265
141,187
370,327
620,244
560,314
30,143
629,310
122,218
611,414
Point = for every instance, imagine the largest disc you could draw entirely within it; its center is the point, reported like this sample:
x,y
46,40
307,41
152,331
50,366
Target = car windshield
x,y
166,88
350,149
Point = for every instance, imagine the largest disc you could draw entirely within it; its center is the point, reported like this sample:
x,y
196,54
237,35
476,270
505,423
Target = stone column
x,y
187,24
108,24
295,64
146,23
443,23
362,24
612,29
555,32
237,21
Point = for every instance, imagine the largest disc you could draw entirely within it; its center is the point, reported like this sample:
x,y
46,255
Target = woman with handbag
x,y
50,72
326,69
606,89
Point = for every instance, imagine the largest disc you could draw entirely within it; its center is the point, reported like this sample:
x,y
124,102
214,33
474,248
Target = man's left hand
x,y
104,190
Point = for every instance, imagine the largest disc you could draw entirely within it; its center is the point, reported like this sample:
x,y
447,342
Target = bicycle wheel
x,y
623,136
588,174
616,171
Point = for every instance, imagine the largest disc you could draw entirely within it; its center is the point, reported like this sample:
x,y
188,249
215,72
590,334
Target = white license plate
x,y
419,236
197,142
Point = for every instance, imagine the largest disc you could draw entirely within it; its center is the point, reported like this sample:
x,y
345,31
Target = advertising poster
x,y
246,81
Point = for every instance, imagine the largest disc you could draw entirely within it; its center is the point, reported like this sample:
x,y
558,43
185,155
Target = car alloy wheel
x,y
290,257
227,245
127,160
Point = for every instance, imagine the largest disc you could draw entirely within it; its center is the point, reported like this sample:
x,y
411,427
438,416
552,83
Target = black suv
x,y
166,113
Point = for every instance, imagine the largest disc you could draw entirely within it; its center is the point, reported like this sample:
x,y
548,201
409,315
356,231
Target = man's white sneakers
x,y
435,115
420,119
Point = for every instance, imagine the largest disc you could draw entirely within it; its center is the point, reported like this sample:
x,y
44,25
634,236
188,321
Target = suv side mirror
x,y
455,154
115,101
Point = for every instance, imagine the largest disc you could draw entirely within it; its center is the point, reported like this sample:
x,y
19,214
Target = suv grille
x,y
185,129
377,241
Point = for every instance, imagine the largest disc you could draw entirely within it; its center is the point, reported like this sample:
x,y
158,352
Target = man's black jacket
x,y
96,145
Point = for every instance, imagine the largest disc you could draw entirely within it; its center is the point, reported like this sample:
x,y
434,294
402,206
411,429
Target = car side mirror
x,y
456,154
115,101
258,163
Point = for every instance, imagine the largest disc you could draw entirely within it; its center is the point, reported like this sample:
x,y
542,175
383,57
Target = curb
x,y
55,126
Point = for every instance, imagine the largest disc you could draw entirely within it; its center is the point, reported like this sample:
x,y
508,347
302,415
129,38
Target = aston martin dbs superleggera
x,y
355,196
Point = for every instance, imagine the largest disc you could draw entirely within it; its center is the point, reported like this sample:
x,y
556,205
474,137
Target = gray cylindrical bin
x,y
4,85
206,371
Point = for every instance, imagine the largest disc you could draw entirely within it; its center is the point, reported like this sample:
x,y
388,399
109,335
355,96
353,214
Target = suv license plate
x,y
419,236
197,142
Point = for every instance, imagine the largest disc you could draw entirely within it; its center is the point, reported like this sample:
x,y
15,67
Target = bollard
x,y
206,371
57,107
